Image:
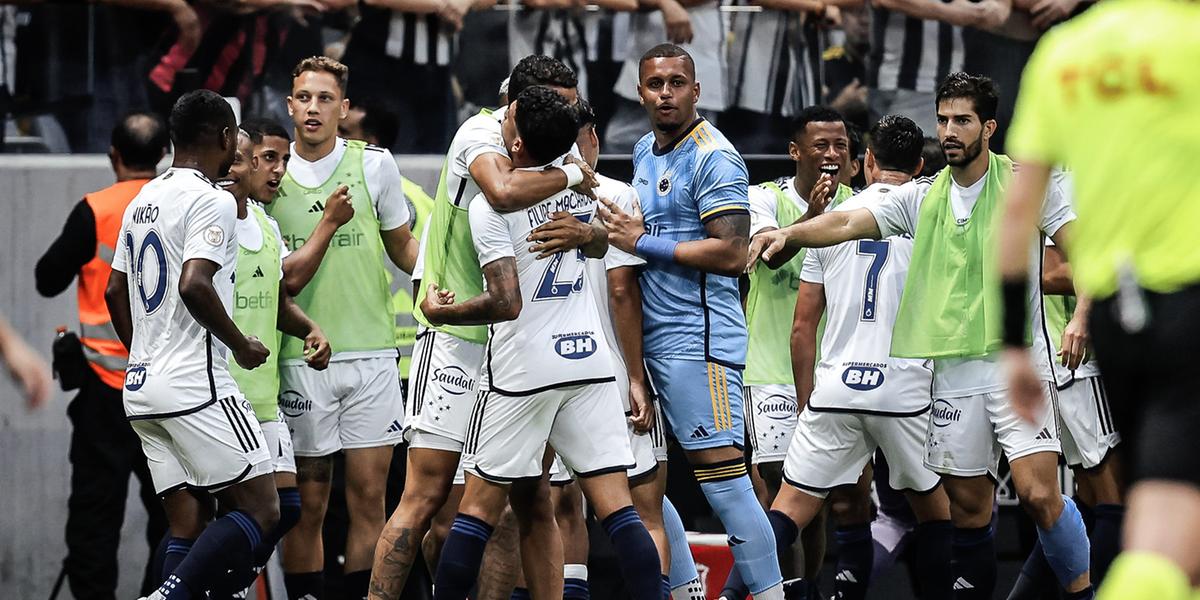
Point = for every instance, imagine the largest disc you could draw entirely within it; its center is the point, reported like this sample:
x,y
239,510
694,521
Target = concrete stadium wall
x,y
36,193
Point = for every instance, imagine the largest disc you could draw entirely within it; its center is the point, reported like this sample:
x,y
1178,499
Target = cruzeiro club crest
x,y
664,185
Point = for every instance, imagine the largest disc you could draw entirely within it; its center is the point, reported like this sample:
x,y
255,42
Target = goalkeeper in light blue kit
x,y
692,189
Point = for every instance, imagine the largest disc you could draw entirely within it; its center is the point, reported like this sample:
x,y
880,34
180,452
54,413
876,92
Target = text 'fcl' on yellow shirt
x,y
1114,95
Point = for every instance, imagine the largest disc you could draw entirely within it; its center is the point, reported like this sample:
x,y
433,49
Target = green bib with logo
x,y
349,297
771,303
450,258
951,307
256,310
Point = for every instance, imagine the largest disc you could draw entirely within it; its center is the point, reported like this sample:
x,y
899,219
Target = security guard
x,y
104,449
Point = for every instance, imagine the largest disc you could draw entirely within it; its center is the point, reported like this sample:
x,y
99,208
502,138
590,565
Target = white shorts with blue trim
x,y
584,423
212,448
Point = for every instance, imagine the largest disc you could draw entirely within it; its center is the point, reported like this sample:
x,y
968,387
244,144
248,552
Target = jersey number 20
x,y
151,248
878,251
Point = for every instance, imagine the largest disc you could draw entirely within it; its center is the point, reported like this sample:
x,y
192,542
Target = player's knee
x,y
419,504
772,473
265,511
849,508
1043,503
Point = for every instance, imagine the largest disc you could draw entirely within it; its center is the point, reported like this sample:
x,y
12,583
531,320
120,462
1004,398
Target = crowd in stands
x,y
69,70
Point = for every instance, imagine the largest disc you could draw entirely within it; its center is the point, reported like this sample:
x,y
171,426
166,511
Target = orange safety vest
x,y
103,349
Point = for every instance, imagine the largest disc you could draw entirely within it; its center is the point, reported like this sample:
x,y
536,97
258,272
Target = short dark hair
x,y
667,51
980,90
897,143
260,127
816,114
585,114
546,122
197,114
141,139
380,121
539,69
324,64
935,157
856,140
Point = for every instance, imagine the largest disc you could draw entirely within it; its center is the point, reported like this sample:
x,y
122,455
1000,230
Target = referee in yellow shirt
x,y
1114,95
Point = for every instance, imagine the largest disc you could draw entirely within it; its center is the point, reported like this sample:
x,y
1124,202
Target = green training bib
x,y
349,297
256,310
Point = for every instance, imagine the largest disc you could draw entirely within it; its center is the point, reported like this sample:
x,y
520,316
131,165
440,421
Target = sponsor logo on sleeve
x,y
575,347
214,235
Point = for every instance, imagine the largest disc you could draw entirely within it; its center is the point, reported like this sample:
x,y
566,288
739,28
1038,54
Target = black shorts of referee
x,y
1152,378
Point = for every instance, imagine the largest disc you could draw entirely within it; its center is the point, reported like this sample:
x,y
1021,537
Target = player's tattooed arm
x,y
723,252
292,321
810,305
202,301
500,301
508,189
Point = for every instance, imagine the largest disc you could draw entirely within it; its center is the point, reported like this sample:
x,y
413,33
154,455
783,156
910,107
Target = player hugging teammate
x,y
571,322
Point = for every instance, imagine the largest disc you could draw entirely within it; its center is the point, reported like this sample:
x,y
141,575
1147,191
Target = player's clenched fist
x,y
316,349
435,298
765,245
338,208
252,353
624,228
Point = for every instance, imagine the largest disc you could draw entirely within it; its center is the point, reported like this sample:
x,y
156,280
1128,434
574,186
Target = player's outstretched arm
x,y
301,265
508,189
401,247
116,297
810,305
292,321
202,301
778,246
500,301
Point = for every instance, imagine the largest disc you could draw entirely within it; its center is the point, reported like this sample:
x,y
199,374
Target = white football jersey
x,y
557,339
863,281
621,194
175,364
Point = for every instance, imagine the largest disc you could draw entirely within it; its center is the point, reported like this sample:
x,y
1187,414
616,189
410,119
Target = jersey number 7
x,y
878,251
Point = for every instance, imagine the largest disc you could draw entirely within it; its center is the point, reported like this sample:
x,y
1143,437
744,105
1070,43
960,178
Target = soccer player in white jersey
x,y
170,295
548,374
446,359
859,398
949,313
618,299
